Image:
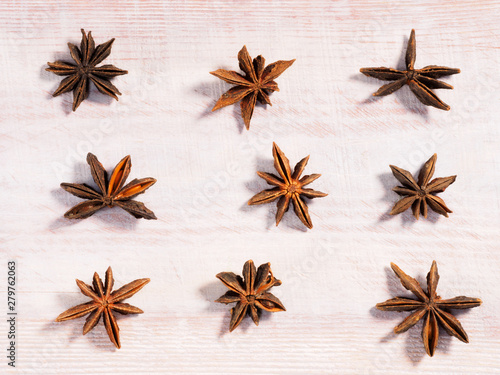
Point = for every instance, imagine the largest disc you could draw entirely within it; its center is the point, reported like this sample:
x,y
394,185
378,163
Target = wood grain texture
x,y
205,164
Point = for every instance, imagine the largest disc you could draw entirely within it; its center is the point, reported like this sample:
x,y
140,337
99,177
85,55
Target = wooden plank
x,y
205,164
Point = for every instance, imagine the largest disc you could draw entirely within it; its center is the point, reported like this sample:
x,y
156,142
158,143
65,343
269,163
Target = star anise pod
x,y
419,194
290,187
421,81
255,85
104,302
85,70
250,293
112,192
429,307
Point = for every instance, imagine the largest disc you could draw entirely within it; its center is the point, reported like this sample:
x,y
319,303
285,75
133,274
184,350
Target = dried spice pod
x,y
421,193
289,187
104,302
85,70
256,84
251,293
111,191
429,307
420,81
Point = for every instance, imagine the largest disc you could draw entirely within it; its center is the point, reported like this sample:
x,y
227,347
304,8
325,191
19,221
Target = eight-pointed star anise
x,y
255,85
288,187
85,70
419,194
104,302
250,293
112,192
429,307
420,81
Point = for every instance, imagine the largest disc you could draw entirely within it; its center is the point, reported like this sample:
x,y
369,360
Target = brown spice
x,y
420,194
112,192
290,187
104,302
250,293
420,81
257,83
429,307
85,70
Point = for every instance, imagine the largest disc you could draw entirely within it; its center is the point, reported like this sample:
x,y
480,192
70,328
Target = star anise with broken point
x,y
420,194
429,307
256,84
104,302
290,187
420,81
85,70
251,293
112,192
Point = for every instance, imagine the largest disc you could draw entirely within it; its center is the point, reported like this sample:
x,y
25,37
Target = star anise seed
x,y
85,70
104,302
250,293
257,83
290,187
420,194
112,192
429,307
420,81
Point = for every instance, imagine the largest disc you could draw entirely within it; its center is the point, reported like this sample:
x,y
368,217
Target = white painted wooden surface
x,y
205,164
